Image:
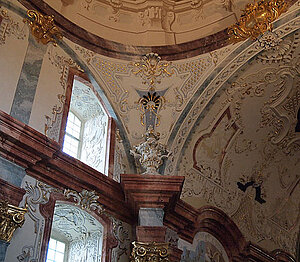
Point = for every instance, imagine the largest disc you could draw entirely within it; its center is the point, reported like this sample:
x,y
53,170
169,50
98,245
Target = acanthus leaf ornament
x,y
87,200
150,153
256,19
42,27
11,218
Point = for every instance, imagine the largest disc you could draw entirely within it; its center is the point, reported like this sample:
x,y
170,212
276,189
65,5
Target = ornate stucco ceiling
x,y
150,23
228,116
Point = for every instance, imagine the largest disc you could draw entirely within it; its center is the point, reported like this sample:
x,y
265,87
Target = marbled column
x,y
3,248
27,84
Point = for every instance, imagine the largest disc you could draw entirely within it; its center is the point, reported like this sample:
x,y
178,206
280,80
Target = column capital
x,y
150,252
11,217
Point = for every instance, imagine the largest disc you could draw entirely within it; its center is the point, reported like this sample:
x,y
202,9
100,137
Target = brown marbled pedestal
x,y
151,191
150,197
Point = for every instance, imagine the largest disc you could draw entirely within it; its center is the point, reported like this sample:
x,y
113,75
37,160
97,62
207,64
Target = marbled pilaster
x,y
11,172
151,217
27,84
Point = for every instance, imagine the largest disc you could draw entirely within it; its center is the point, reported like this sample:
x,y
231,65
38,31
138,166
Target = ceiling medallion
x,y
151,69
42,27
256,19
151,103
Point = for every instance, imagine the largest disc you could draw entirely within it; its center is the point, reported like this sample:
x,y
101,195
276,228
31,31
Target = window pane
x,y
73,125
55,251
71,146
51,254
52,243
60,247
59,257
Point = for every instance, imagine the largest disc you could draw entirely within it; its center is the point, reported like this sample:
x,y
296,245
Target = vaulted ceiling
x,y
228,115
149,23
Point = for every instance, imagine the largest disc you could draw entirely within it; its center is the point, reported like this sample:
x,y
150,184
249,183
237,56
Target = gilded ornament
x,y
151,69
42,27
256,19
151,103
150,153
149,252
11,218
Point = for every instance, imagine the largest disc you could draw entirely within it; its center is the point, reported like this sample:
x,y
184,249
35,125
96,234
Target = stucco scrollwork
x,y
11,218
42,27
144,252
85,199
122,233
9,27
222,76
151,69
63,64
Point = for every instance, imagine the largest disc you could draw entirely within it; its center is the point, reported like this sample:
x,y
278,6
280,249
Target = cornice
x,y
112,49
188,221
42,159
11,193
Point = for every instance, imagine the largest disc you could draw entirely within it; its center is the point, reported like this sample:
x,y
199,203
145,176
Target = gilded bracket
x,y
11,218
256,19
42,27
149,252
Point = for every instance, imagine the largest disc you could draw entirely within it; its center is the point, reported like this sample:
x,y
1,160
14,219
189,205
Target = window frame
x,y
111,127
109,240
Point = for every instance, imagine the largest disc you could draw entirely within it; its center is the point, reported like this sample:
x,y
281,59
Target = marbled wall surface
x,y
11,172
28,80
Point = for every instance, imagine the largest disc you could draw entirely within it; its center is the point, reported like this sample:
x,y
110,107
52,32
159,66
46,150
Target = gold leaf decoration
x,y
151,69
11,218
143,252
42,27
256,19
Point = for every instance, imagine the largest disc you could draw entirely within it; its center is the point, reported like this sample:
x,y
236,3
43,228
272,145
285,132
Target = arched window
x,y
76,236
85,125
